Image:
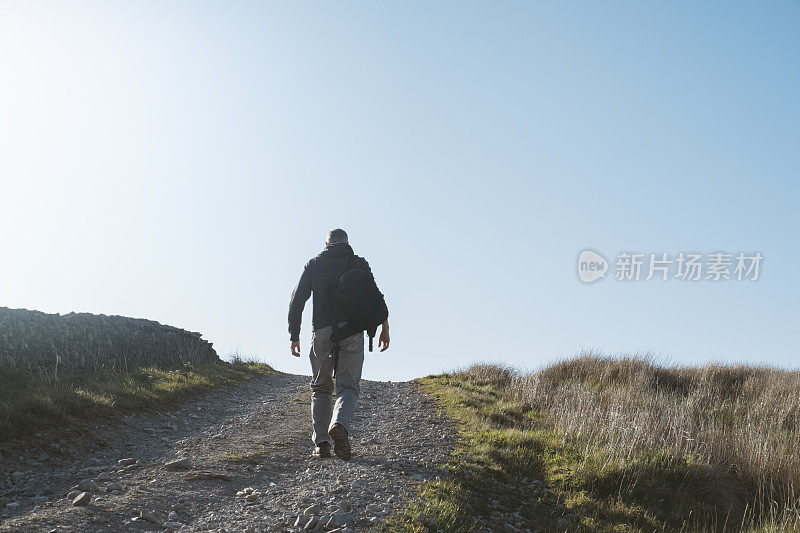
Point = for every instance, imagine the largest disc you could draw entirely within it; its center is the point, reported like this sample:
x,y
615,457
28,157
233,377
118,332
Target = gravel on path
x,y
237,459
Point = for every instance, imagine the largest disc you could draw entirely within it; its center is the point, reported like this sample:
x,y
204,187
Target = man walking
x,y
343,359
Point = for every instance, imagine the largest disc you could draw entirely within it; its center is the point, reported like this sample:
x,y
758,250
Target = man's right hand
x,y
296,348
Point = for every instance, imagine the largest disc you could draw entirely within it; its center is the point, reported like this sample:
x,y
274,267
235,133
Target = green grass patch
x,y
250,456
29,403
512,465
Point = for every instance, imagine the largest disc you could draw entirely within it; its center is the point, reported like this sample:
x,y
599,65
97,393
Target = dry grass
x,y
256,456
723,441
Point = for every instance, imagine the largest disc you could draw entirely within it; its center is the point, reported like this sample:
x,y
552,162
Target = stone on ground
x,y
82,499
183,463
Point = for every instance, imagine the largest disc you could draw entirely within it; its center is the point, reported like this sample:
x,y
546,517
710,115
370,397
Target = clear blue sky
x,y
182,160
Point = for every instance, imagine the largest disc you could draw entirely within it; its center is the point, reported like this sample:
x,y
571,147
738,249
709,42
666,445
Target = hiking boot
x,y
323,450
341,444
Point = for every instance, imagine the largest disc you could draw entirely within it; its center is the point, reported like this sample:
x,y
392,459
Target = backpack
x,y
354,298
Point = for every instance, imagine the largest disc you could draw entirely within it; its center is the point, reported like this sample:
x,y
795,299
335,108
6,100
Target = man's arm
x,y
383,339
300,296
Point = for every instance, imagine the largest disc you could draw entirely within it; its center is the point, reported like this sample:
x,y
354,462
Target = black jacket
x,y
317,275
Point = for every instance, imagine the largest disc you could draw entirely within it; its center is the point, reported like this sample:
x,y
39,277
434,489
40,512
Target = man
x,y
318,274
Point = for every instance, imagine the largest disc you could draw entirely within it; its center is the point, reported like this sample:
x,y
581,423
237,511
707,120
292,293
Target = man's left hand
x,y
383,340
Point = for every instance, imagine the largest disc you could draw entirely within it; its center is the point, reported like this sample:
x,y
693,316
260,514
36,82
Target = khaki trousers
x,y
348,378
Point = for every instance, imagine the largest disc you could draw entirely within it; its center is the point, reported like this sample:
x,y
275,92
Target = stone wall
x,y
40,342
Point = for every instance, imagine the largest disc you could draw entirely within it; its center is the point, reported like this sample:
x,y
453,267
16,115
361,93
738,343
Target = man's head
x,y
336,236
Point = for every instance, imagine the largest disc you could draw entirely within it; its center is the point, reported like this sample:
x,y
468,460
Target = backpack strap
x,y
335,326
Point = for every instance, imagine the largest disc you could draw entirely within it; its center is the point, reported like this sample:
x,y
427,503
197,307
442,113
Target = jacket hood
x,y
340,249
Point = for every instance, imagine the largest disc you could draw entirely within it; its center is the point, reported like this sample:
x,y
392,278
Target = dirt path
x,y
254,436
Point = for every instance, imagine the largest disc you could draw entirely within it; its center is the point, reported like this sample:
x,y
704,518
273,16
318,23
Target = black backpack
x,y
354,298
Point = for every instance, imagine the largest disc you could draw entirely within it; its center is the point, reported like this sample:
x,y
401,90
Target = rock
x,y
87,485
183,463
90,470
82,499
341,519
112,486
245,492
174,526
252,497
301,521
127,461
73,494
103,476
344,506
12,505
37,489
311,524
173,516
311,509
18,476
149,516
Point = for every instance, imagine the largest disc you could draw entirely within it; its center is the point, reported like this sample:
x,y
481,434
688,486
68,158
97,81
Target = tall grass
x,y
729,436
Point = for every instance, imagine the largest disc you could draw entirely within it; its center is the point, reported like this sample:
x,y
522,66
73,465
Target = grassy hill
x,y
29,402
599,444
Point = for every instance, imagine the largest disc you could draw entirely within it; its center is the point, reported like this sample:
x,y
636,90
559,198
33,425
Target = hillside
x,y
596,444
59,369
587,444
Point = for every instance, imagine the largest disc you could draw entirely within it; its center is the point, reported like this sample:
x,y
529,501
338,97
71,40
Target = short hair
x,y
335,236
